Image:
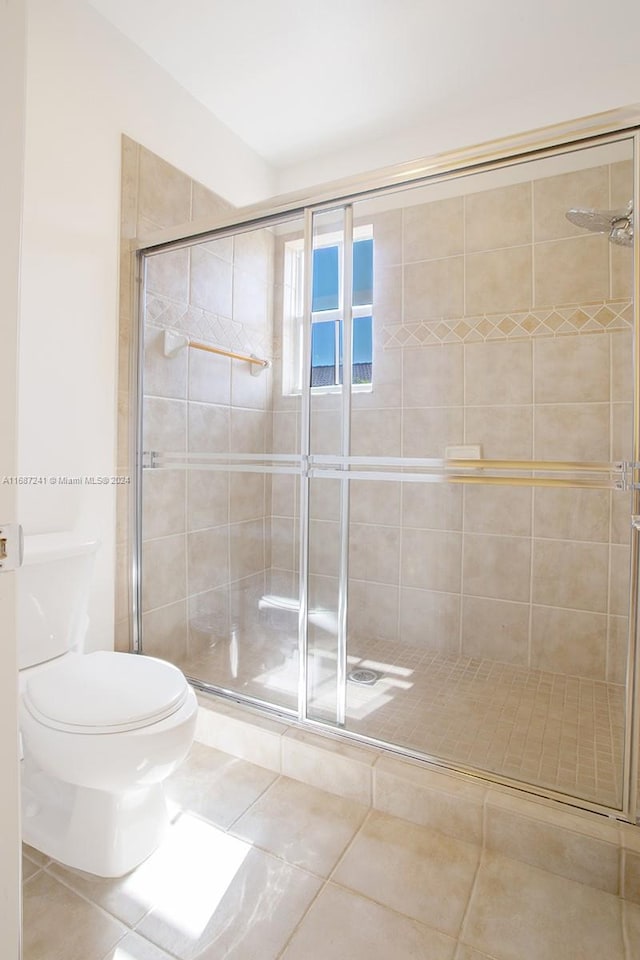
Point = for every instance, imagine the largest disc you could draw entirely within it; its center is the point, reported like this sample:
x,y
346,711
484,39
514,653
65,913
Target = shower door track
x,y
607,128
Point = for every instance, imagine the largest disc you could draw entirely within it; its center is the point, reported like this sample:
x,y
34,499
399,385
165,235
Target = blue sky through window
x,y
326,295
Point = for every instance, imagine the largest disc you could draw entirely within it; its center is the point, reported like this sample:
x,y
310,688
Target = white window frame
x,y
293,312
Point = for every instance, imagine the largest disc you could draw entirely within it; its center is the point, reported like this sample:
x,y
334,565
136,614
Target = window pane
x,y
326,285
323,353
362,350
362,272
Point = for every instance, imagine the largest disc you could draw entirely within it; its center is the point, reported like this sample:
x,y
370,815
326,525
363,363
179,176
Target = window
x,y
326,317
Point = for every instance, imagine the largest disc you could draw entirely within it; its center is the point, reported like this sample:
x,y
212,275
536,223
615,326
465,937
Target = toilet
x,y
100,731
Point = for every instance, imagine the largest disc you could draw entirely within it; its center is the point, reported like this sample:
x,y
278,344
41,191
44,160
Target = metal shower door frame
x,y
564,139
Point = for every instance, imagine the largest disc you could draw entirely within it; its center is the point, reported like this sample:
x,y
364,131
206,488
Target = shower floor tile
x,y
559,732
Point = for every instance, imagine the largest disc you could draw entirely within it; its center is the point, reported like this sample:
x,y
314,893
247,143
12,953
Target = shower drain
x,y
365,677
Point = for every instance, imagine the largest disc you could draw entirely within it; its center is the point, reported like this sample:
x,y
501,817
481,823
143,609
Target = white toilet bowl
x,y
101,732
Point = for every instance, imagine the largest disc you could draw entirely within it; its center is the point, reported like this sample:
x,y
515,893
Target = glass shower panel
x,y
327,498
488,610
220,513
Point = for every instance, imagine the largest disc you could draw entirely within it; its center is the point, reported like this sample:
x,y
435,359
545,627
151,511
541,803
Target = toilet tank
x,y
53,595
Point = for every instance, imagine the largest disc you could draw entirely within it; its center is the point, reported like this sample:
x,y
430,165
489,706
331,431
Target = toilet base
x,y
102,833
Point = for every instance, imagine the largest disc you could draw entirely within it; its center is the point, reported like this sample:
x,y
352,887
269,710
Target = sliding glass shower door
x,y
390,465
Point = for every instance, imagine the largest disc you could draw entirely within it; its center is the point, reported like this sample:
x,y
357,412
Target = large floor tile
x,y
519,912
216,896
305,826
345,926
133,947
412,869
216,786
127,898
29,868
60,925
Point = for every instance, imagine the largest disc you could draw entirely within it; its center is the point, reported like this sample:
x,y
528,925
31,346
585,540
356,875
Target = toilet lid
x,y
105,692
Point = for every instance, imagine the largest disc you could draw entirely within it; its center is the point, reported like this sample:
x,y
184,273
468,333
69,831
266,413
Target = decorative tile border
x,y
602,316
202,325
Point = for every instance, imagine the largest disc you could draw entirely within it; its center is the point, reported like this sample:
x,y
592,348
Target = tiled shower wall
x,y
201,530
496,322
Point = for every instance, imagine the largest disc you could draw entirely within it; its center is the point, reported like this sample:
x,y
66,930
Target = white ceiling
x,y
299,78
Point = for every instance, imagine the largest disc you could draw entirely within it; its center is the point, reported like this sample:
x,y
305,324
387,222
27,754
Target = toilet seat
x,y
105,692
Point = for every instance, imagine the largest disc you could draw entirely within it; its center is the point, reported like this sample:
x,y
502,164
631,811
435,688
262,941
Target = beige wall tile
x,y
498,218
326,430
208,559
553,196
569,641
207,498
430,619
434,230
164,193
246,548
503,509
165,424
252,300
497,567
373,610
498,281
572,431
631,876
571,369
375,433
247,390
495,629
433,376
434,288
621,431
163,572
163,376
253,254
165,633
432,506
282,543
284,496
168,275
497,372
208,616
430,560
571,514
621,272
620,517
324,548
211,283
619,579
286,434
622,365
324,499
621,182
386,388
504,433
129,188
554,848
617,649
375,501
427,432
163,503
209,377
208,428
247,496
387,294
387,236
374,552
247,430
206,203
570,575
571,271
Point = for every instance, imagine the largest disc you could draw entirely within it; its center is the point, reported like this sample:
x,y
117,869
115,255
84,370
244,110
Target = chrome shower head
x,y
616,223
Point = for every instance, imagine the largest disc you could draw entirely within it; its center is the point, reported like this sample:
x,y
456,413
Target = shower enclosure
x,y
387,447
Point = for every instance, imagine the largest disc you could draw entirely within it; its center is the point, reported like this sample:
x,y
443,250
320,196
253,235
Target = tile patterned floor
x,y
560,732
257,865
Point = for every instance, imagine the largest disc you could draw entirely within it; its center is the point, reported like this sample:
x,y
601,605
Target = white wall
x,y
12,67
86,85
487,113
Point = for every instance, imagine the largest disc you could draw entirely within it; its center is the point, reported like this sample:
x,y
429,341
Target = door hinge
x,y
11,546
